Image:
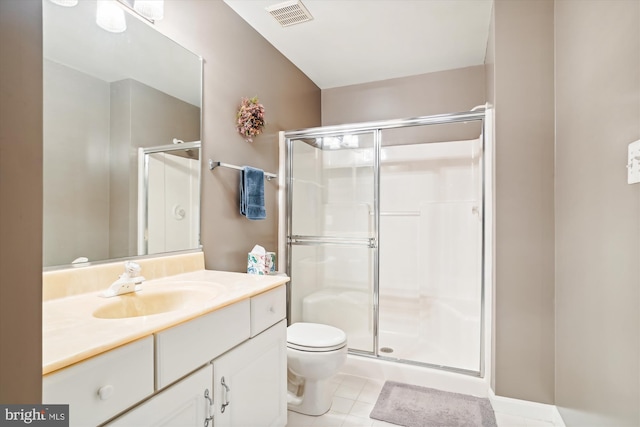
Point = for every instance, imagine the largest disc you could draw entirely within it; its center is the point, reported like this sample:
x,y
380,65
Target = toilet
x,y
315,353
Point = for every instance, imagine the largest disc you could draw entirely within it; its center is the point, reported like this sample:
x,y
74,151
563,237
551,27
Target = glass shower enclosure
x,y
385,236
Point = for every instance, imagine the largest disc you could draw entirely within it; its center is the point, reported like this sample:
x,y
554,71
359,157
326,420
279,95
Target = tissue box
x,y
261,264
270,263
255,263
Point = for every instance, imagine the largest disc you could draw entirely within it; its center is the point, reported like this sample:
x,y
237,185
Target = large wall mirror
x,y
122,126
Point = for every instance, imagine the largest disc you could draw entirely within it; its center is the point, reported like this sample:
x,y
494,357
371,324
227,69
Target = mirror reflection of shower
x,y
188,152
168,197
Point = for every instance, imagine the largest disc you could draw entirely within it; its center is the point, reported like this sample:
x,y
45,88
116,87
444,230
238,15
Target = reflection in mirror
x,y
106,95
168,198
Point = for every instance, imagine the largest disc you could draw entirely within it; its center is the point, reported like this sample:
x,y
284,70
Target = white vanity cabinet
x,y
250,382
175,376
185,347
185,403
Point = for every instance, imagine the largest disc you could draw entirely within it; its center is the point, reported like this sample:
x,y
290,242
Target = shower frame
x,y
143,187
376,127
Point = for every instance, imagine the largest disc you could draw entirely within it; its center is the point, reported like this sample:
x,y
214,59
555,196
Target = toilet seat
x,y
315,337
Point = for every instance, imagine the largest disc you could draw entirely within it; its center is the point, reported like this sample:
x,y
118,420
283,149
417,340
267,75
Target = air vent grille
x,y
289,13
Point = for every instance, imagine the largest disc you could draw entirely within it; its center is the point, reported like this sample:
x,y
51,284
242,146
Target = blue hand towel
x,y
252,193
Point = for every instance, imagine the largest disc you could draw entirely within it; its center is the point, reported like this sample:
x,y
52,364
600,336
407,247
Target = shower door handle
x,y
371,242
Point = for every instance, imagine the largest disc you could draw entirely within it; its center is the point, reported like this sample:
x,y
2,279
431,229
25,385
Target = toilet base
x,y
315,398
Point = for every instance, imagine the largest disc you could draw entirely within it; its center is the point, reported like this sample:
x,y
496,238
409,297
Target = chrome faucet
x,y
129,281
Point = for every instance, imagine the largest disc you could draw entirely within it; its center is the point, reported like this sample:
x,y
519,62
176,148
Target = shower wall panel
x,y
430,213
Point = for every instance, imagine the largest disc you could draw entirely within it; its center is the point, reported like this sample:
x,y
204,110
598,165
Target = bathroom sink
x,y
148,302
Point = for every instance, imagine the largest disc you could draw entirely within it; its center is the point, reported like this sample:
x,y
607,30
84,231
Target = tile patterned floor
x,y
353,400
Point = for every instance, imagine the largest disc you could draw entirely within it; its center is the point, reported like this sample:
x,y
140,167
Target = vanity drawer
x,y
102,386
268,309
186,347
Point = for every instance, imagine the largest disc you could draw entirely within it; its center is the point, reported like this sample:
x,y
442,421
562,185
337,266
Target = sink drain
x,y
386,350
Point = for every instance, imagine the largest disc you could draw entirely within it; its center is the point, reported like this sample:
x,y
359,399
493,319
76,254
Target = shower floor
x,y
443,332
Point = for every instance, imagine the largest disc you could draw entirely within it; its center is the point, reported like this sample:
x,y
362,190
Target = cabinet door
x,y
255,381
182,405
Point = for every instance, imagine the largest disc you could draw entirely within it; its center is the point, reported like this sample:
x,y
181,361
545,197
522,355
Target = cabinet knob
x,y
271,309
105,392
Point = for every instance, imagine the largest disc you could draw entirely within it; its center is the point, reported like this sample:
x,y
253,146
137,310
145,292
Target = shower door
x,y
430,269
332,232
385,237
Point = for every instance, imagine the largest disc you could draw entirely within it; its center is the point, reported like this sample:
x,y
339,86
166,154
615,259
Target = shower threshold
x,y
415,363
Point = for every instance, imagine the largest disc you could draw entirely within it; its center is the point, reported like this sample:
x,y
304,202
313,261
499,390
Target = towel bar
x,y
213,165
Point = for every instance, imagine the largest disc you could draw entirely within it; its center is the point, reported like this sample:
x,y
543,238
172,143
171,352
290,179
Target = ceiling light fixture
x,y
110,16
151,9
65,3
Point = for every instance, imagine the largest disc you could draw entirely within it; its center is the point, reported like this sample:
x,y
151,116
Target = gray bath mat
x,y
413,406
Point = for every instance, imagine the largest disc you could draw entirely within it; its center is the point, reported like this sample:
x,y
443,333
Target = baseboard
x,y
557,418
526,409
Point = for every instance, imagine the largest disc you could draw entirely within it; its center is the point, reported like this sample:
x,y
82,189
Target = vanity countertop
x,y
71,333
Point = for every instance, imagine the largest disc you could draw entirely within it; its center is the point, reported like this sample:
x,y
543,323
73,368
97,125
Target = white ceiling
x,y
358,41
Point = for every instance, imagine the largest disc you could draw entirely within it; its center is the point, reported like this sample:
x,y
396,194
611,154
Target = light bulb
x,y
65,3
152,9
110,16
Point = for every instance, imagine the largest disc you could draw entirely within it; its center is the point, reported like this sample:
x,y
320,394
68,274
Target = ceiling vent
x,y
289,13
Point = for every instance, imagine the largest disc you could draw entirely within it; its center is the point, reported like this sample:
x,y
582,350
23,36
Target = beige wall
x,y
238,62
426,94
523,95
597,213
21,198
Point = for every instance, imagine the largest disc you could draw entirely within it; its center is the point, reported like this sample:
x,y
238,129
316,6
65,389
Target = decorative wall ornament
x,y
250,118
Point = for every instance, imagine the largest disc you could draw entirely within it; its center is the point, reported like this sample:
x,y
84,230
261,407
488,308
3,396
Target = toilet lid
x,y
315,337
